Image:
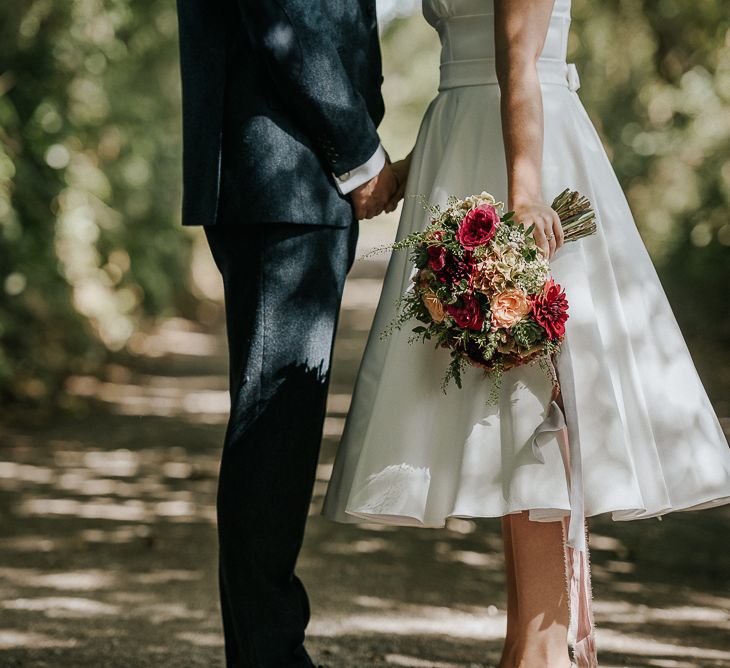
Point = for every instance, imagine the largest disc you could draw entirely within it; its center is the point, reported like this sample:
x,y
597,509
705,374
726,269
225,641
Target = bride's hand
x,y
400,170
548,232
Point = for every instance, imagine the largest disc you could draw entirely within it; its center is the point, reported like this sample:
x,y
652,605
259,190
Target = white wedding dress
x,y
645,437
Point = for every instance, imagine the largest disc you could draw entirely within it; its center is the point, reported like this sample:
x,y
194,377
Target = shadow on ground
x,y
108,549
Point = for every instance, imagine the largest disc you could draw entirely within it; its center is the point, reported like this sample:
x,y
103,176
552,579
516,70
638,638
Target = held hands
x,y
371,198
383,192
400,169
548,232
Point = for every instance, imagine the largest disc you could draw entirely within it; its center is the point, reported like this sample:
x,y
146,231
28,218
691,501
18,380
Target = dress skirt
x,y
648,439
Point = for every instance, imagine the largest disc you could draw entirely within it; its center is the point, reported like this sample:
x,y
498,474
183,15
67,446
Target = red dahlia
x,y
550,310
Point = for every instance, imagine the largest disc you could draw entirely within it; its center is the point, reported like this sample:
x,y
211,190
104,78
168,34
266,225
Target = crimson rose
x,y
437,256
469,315
478,226
550,309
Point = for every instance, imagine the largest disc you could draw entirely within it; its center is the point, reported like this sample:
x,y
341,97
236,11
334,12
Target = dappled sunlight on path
x,y
108,546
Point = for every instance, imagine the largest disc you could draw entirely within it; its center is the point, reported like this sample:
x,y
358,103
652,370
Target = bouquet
x,y
482,287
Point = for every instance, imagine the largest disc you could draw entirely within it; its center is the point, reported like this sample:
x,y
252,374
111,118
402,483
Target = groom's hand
x,y
371,198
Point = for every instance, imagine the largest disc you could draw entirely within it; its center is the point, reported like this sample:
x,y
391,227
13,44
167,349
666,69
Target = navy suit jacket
x,y
277,95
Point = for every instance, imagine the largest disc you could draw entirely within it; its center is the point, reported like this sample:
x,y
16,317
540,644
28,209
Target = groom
x,y
281,100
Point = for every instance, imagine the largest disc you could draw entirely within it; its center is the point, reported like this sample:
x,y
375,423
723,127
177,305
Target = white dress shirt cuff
x,y
348,181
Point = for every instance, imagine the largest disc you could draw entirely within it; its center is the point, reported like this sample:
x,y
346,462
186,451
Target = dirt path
x,y
107,542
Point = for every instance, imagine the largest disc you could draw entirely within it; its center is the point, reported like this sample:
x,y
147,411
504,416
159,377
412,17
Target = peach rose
x,y
509,307
434,305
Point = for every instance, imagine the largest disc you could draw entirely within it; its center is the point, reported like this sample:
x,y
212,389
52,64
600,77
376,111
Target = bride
x,y
641,439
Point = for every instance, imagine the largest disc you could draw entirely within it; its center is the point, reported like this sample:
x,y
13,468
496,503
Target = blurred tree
x,y
89,184
89,164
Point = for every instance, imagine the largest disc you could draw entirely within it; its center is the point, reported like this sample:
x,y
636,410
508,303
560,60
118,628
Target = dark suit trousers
x,y
283,285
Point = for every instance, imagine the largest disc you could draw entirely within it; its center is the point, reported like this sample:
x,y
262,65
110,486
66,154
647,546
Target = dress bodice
x,y
466,31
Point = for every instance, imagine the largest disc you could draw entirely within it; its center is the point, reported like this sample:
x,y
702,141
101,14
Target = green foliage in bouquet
x,y
482,289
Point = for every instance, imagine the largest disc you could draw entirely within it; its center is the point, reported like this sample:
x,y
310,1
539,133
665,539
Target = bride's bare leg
x,y
542,600
510,640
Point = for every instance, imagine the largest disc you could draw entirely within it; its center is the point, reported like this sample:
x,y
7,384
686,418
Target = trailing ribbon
x,y
581,631
577,562
555,422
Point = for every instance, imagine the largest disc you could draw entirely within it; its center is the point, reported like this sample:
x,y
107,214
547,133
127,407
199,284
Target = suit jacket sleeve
x,y
310,79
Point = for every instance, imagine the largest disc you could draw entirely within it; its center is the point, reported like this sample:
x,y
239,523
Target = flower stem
x,y
576,215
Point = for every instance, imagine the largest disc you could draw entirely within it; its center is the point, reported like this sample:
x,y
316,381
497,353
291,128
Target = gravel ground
x,y
108,557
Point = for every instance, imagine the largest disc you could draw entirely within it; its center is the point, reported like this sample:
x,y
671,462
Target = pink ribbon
x,y
581,629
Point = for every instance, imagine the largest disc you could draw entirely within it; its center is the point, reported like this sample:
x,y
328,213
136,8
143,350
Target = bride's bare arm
x,y
520,30
400,170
